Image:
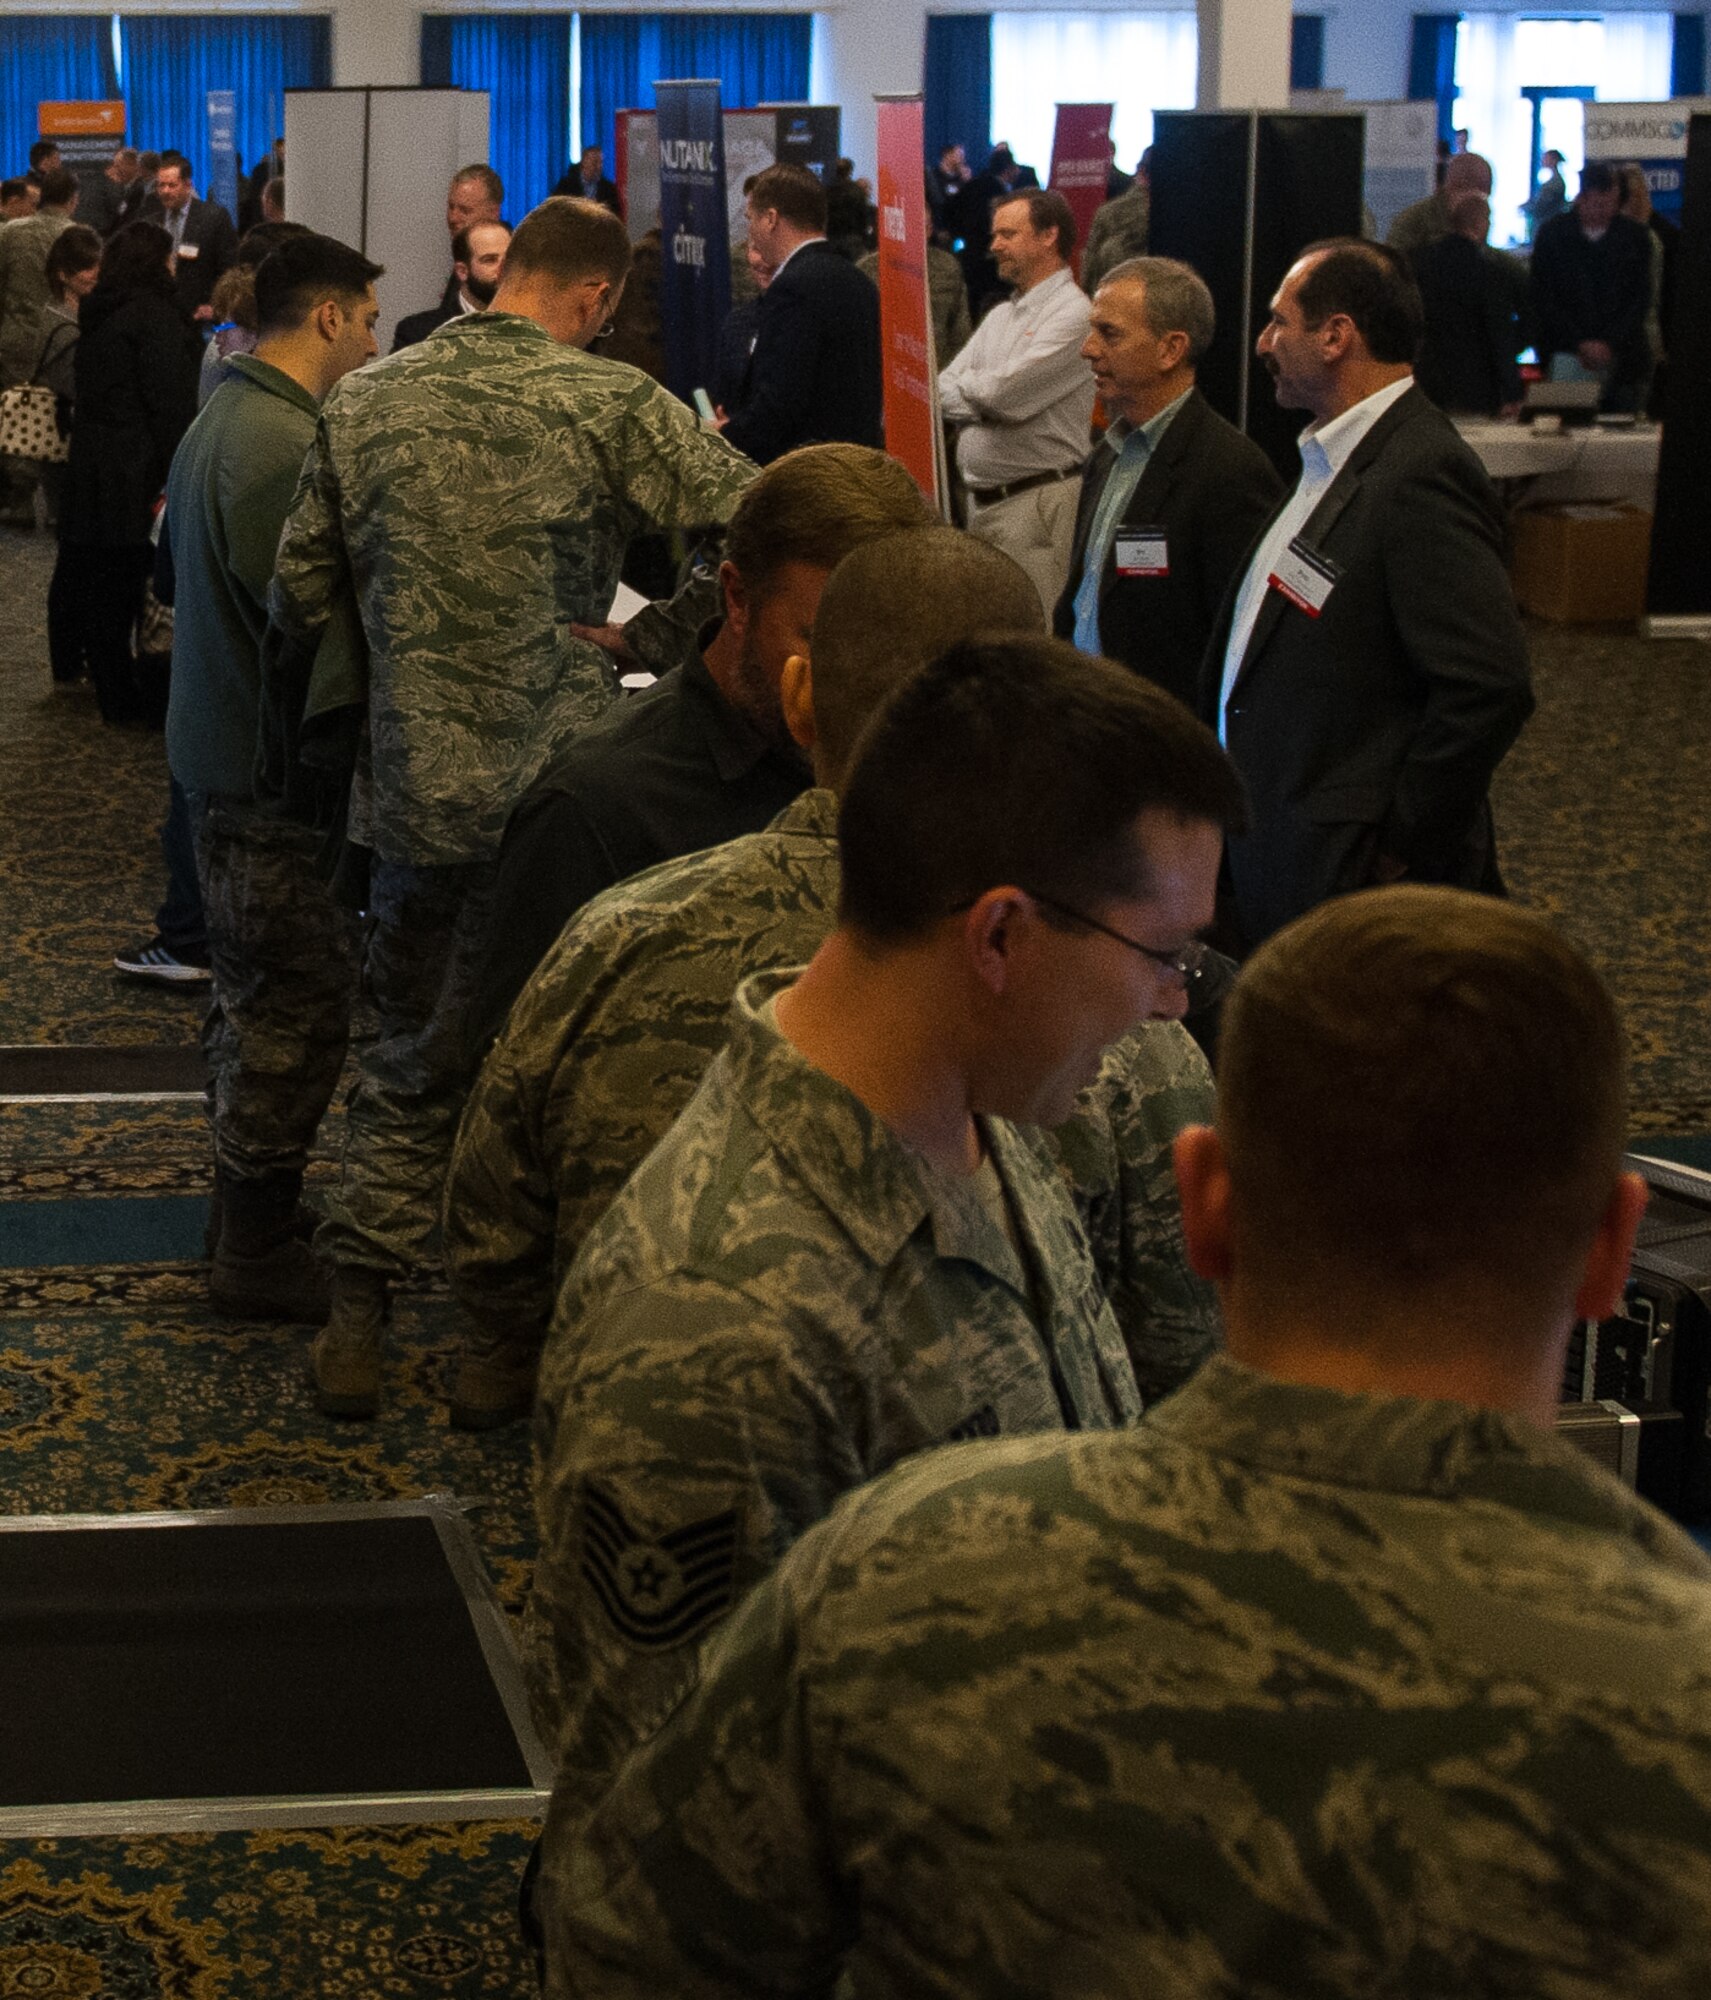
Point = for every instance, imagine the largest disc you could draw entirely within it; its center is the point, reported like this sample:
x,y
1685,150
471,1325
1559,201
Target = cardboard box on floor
x,y
1581,564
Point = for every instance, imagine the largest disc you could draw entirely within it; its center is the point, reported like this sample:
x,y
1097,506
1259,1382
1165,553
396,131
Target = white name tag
x,y
190,250
1305,577
1143,552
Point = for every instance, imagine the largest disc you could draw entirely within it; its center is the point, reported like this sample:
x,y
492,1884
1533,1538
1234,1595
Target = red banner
x,y
912,434
1081,163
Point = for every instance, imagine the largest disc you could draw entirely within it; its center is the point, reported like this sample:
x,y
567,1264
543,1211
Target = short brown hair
x,y
893,605
1415,1086
567,239
1017,760
1047,209
793,191
814,505
460,242
491,185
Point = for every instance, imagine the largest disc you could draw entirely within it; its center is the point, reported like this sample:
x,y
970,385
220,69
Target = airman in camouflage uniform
x,y
1338,1678
1287,1692
476,493
610,1038
809,1341
1118,231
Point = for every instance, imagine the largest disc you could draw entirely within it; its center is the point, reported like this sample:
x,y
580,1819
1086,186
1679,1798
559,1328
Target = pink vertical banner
x,y
905,323
1081,163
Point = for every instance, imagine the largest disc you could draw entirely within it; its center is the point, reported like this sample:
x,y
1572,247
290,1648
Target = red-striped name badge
x,y
1305,577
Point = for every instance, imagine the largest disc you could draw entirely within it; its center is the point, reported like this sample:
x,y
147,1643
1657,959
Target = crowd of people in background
x,y
951,1406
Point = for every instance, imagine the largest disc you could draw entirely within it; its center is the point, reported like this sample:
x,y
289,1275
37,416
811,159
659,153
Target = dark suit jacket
x,y
1467,358
417,326
1594,291
1375,727
1211,490
605,193
208,231
815,374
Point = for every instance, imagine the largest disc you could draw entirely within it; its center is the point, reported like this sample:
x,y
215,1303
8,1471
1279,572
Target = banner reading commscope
x,y
912,434
695,240
1654,136
1081,164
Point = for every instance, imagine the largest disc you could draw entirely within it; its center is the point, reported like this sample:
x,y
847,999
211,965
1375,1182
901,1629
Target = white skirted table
x,y
1617,463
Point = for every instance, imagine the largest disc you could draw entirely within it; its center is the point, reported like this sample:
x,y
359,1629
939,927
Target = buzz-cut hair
x,y
567,239
302,273
1417,1086
1023,762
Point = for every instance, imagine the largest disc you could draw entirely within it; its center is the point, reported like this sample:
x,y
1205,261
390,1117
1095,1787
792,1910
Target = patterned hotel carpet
x,y
119,1391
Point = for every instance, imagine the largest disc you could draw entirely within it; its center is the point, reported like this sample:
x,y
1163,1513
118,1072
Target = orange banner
x,y
94,120
912,434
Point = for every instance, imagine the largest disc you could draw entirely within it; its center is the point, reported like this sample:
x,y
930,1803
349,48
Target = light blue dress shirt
x,y
1134,449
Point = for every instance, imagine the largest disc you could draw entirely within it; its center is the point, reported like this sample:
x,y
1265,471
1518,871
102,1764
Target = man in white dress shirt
x,y
1022,398
1372,671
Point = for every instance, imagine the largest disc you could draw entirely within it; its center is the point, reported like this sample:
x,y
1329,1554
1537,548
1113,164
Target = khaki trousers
x,y
1036,529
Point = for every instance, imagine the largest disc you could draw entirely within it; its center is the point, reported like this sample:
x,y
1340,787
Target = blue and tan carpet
x,y
119,1391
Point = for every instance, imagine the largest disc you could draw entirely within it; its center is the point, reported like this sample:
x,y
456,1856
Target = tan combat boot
x,y
492,1387
344,1358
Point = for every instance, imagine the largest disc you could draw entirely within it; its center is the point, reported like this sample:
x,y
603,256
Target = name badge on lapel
x,y
1143,552
1305,577
189,252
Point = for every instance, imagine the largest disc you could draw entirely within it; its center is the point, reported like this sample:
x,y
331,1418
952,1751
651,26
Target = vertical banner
x,y
1654,135
913,434
223,151
808,136
1081,164
695,276
88,134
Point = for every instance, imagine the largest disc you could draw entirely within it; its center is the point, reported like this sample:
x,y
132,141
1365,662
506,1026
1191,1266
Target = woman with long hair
x,y
137,362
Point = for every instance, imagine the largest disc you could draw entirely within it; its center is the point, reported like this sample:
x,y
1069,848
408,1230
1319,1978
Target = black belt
x,y
984,496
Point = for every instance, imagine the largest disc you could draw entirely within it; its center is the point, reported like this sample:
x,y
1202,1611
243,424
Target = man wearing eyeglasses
x,y
846,1251
470,499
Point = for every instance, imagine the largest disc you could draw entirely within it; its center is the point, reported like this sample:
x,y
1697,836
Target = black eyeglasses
x,y
1205,973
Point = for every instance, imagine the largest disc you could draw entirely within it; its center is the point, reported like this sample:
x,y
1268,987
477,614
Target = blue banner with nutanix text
x,y
695,240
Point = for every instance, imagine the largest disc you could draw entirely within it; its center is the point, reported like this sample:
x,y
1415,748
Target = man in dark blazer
x,y
204,241
1173,497
478,259
587,180
815,376
1369,671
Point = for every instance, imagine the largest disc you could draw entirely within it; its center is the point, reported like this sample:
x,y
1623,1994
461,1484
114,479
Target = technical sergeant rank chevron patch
x,y
662,1591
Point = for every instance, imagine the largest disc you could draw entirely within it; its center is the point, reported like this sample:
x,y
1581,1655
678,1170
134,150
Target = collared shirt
x,y
610,1038
667,772
803,245
473,496
1386,1691
175,219
1134,447
784,1300
1325,450
1020,390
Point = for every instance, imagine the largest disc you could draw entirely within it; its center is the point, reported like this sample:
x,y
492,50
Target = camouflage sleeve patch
x,y
663,1590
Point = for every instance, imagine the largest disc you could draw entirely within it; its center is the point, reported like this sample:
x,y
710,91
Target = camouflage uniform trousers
x,y
284,961
427,939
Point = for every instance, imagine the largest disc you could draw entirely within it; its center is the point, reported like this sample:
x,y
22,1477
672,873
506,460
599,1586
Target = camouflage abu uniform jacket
x,y
783,1302
477,491
1285,1693
606,1045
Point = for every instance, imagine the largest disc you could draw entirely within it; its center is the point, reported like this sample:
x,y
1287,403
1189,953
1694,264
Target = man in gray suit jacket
x,y
1369,671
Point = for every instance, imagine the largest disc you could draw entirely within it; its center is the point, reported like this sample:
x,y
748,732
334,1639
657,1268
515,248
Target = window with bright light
x,y
1621,58
1143,62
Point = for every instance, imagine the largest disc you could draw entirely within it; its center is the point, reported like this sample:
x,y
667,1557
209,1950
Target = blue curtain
x,y
48,58
758,59
1432,66
1687,63
171,62
523,61
1307,52
958,86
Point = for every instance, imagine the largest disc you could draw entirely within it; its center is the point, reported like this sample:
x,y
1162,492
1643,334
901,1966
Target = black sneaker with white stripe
x,y
154,961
